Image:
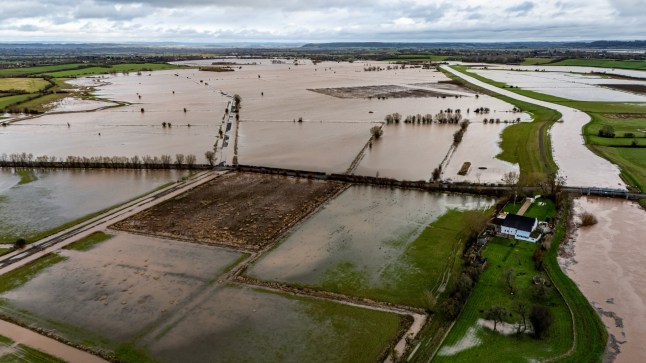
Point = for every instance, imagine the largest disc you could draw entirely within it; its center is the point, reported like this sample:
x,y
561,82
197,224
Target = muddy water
x,y
72,104
567,85
576,162
244,324
608,266
60,196
119,287
328,147
359,237
479,146
575,69
407,152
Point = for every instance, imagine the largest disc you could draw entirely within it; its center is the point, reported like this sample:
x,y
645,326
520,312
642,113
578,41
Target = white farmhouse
x,y
519,227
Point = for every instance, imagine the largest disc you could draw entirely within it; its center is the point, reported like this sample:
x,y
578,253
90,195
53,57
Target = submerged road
x,y
576,162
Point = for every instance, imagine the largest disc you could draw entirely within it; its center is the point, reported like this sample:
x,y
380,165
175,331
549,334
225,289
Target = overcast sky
x,y
219,21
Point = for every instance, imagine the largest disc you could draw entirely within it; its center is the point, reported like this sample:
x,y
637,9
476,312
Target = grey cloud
x,y
522,8
111,12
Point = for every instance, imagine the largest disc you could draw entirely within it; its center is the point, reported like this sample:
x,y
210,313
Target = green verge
x,y
503,254
526,144
89,242
18,277
589,332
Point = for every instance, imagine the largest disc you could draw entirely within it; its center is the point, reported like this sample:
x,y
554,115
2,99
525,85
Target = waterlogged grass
x,y
503,254
603,63
87,243
243,324
29,85
21,276
23,353
26,176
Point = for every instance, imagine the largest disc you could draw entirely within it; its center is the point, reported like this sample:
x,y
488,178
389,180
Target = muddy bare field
x,y
634,88
238,209
385,91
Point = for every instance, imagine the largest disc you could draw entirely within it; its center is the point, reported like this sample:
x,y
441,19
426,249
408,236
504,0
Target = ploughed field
x,y
237,209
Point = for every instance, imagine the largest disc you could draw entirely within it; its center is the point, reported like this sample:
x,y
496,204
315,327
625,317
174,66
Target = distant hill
x,y
601,44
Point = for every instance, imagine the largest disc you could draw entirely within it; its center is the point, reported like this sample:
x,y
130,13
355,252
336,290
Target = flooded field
x,y
245,324
127,131
575,86
315,146
365,243
34,200
607,263
411,152
149,298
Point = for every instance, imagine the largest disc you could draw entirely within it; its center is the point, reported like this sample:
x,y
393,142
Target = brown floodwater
x,y
607,263
316,146
118,288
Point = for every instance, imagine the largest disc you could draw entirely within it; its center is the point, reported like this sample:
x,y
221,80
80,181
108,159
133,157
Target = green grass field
x,y
29,85
17,99
535,61
603,63
417,57
541,209
26,71
503,254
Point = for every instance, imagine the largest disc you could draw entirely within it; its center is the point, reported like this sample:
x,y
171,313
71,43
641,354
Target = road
x,y
576,162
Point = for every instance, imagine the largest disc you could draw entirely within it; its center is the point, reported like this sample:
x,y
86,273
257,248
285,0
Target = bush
x,y
629,134
588,219
376,132
542,320
20,243
607,131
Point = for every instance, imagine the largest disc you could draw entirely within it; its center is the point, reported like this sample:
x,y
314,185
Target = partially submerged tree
x,y
210,157
376,132
588,219
496,314
236,101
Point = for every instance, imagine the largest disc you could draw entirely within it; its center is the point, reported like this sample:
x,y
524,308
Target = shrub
x,y
542,320
607,131
629,134
588,219
20,243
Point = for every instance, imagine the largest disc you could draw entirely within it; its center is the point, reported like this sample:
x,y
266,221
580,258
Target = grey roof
x,y
519,222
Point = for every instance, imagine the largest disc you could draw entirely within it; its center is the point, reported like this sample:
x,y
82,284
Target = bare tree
x,y
496,313
210,157
179,159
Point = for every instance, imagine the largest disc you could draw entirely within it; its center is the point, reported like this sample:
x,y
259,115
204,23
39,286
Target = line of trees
x,y
165,161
